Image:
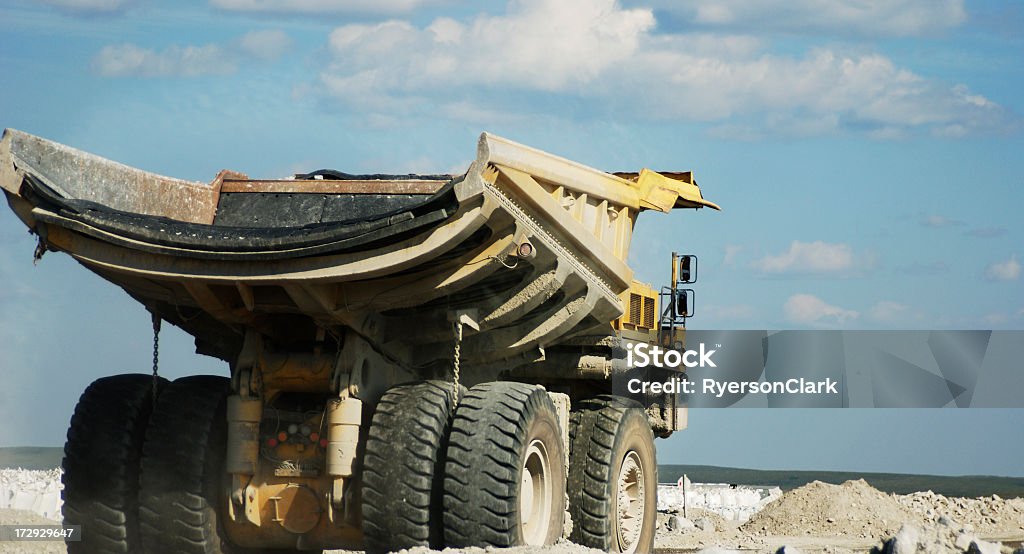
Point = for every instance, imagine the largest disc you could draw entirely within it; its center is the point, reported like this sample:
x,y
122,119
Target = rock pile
x,y
944,536
988,514
33,491
732,502
853,508
703,528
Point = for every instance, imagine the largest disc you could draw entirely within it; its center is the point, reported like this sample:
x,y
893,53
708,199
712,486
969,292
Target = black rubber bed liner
x,y
291,225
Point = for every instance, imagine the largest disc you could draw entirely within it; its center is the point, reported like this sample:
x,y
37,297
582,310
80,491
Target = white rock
x,y
905,541
963,541
704,524
679,524
979,546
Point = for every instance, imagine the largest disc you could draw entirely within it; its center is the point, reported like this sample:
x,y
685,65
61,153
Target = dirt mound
x,y
989,515
854,508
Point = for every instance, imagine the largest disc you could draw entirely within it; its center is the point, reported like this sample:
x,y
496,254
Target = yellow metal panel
x,y
660,193
651,190
640,305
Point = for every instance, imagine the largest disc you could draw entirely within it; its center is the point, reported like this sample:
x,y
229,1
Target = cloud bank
x,y
313,7
130,60
86,7
867,17
613,57
807,309
809,257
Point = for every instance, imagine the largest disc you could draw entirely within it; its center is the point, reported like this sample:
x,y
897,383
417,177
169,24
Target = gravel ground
x,y
815,518
22,517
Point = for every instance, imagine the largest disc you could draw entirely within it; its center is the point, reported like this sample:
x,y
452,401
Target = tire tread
x,y
101,462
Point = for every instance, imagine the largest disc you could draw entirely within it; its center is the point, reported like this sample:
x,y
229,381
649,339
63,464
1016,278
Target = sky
x,y
867,156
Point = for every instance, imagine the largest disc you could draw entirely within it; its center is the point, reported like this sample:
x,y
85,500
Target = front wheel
x,y
613,476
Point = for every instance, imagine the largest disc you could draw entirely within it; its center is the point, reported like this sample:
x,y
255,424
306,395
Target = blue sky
x,y
867,155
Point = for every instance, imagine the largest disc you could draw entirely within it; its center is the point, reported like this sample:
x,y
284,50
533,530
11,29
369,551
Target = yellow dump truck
x,y
415,360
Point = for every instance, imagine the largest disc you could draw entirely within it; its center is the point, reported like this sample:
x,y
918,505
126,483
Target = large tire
x,y
101,463
403,467
182,468
611,461
505,474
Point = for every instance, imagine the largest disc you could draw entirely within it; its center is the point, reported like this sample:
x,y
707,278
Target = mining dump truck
x,y
415,360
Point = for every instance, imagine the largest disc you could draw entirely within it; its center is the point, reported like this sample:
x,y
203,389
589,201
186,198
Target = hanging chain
x,y
156,355
40,250
455,363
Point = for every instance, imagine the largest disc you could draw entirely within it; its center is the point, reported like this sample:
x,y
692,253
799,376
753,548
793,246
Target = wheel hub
x,y
535,496
632,501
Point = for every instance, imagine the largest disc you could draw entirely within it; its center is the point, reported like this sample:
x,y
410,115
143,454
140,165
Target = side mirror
x,y
688,268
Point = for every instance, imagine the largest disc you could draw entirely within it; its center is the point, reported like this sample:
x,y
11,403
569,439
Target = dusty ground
x,y
855,517
21,517
816,518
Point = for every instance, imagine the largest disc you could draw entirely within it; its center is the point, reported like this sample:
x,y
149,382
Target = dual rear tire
x,y
145,479
497,462
101,462
495,465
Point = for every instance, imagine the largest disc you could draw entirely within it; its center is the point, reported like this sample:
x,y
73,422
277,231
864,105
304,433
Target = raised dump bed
x,y
328,289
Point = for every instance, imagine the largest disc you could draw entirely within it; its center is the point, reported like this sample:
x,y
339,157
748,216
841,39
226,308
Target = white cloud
x,y
823,92
866,17
809,257
322,6
598,51
121,60
89,6
1004,271
808,309
543,45
888,311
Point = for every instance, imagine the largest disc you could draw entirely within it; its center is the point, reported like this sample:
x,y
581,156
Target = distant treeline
x,y
32,457
968,486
